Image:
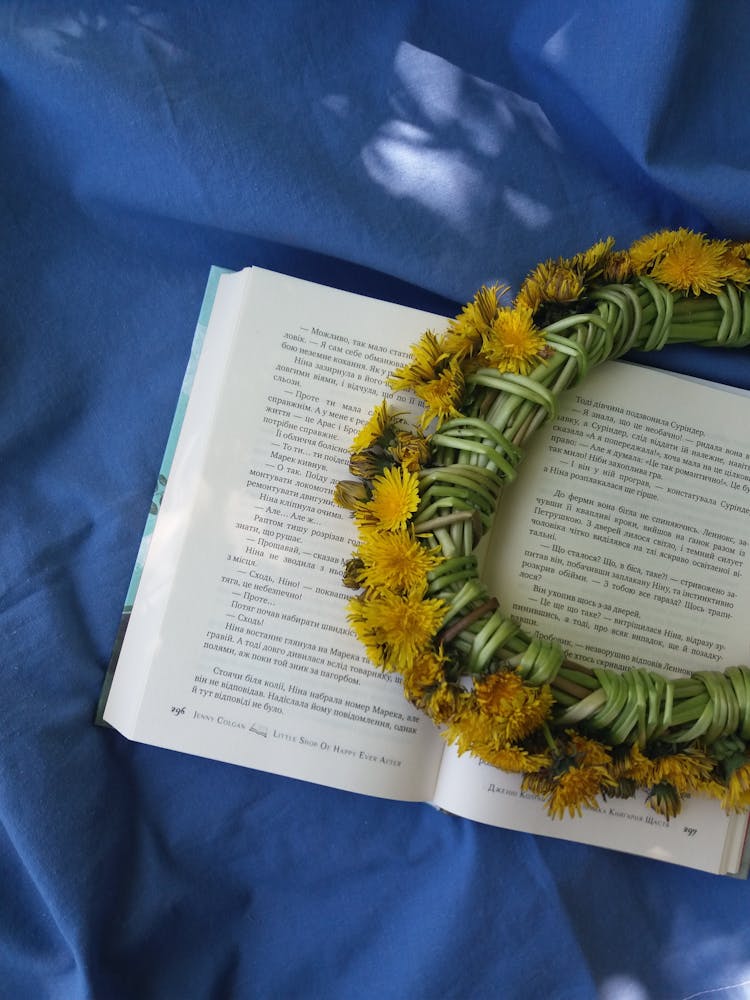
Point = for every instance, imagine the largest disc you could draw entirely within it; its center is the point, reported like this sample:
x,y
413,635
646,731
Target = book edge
x,y
196,348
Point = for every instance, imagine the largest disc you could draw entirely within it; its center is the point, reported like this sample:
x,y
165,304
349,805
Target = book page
x,y
625,538
696,838
240,616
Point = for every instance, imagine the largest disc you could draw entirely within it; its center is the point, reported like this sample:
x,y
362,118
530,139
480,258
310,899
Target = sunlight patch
x,y
443,145
533,213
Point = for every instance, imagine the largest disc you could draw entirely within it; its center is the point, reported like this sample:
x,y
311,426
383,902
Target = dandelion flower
x,y
686,770
442,395
446,703
366,464
618,267
575,788
395,560
579,772
735,264
665,799
405,624
379,429
352,573
499,692
425,672
515,708
588,751
552,281
692,264
737,794
648,250
428,355
515,759
465,332
474,732
358,615
591,263
395,497
485,736
411,450
350,495
514,344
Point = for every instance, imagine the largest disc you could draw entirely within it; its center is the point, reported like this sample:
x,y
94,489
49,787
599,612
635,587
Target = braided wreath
x,y
425,494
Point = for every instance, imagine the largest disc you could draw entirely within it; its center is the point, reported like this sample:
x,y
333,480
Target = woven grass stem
x,y
505,412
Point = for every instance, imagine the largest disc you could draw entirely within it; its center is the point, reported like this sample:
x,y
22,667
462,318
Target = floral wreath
x,y
425,494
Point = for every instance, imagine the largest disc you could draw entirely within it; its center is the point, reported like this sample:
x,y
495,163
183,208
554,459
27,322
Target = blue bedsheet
x,y
408,150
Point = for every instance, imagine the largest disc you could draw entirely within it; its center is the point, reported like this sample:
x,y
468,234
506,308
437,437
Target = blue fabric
x,y
406,150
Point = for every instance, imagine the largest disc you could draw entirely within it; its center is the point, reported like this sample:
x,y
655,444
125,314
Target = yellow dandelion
x,y
574,789
411,450
426,672
686,770
692,264
406,624
358,615
395,497
638,766
529,297
500,692
446,703
620,788
395,560
428,356
515,708
349,495
442,395
483,736
515,759
514,344
735,264
648,250
428,352
665,800
580,771
736,796
587,751
474,732
352,577
591,263
365,465
551,281
485,305
465,332
539,782
618,267
383,424
716,790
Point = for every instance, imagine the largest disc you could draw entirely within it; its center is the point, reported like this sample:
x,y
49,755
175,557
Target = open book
x,y
625,537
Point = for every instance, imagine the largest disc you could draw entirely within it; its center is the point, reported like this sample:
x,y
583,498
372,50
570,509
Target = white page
x,y
627,559
241,607
475,790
